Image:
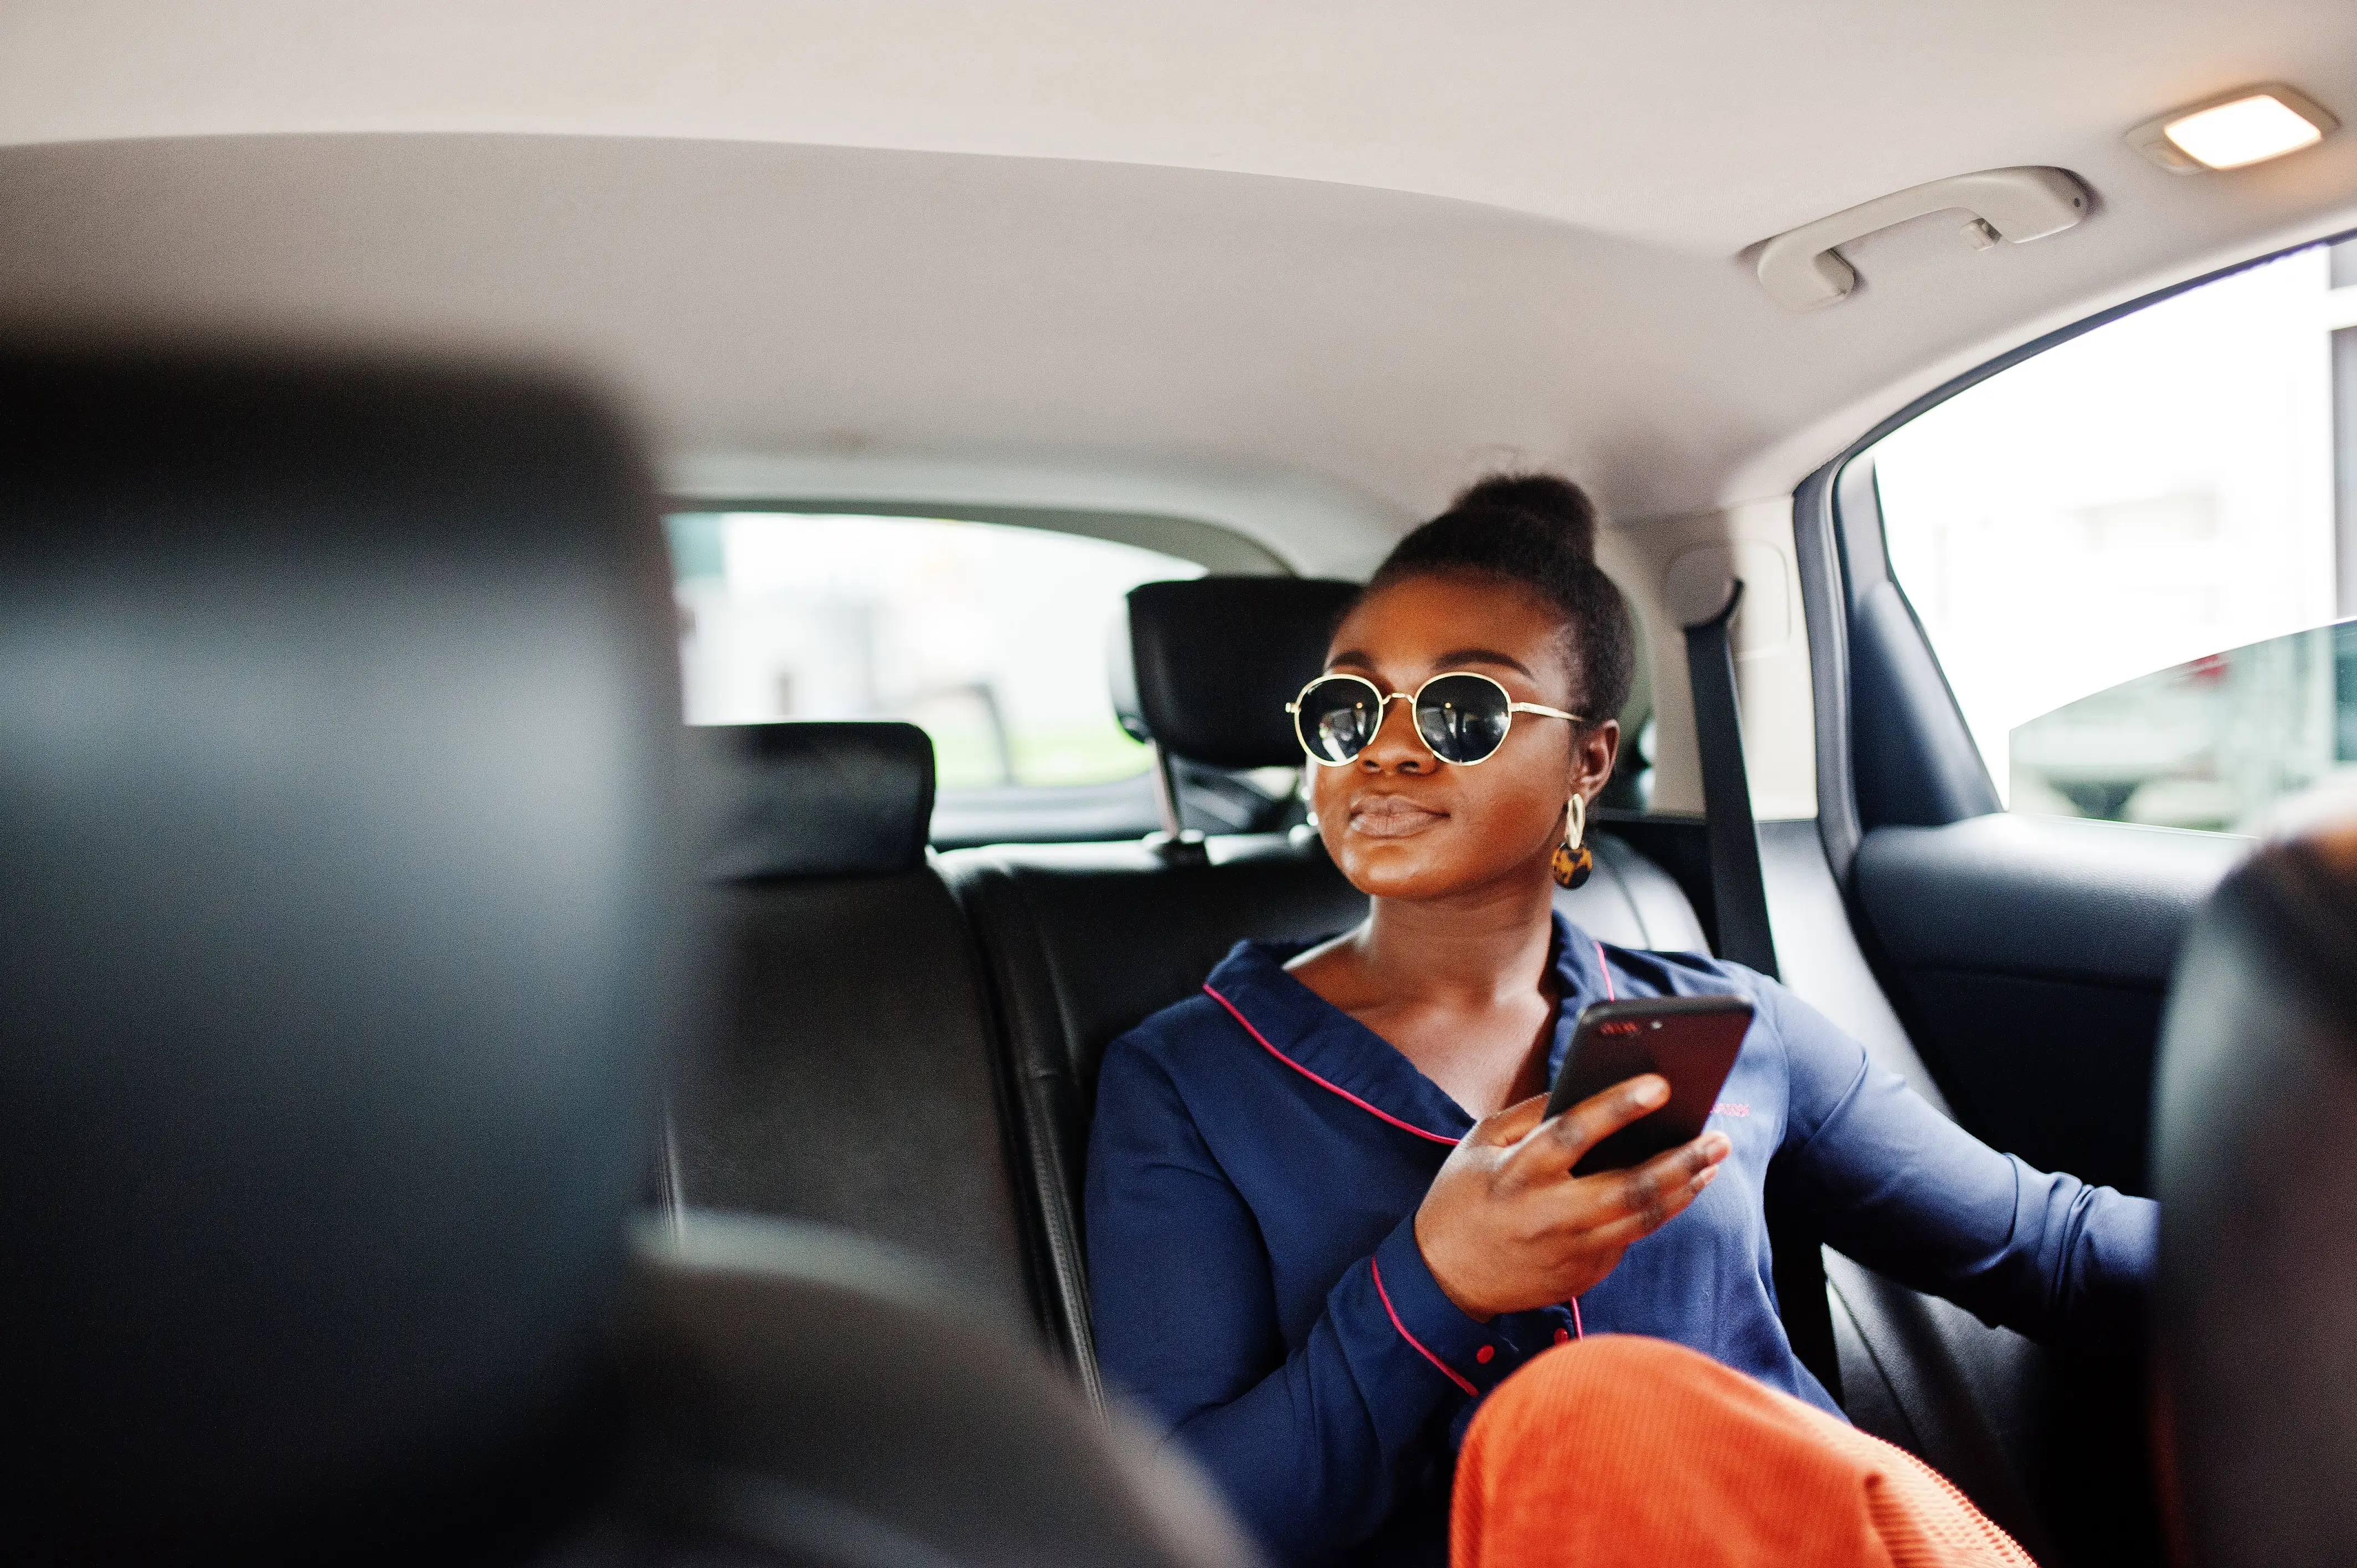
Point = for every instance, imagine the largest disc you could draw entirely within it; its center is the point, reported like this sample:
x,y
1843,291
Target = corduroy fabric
x,y
1620,1450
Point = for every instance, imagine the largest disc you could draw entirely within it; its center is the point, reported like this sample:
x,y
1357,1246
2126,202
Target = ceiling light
x,y
2233,130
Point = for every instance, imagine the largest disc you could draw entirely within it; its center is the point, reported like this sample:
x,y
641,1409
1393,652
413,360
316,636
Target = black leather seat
x,y
2254,1154
1083,941
849,1074
339,905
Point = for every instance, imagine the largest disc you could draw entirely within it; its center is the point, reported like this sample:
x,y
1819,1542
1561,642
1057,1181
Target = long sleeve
x,y
1314,1442
1905,1191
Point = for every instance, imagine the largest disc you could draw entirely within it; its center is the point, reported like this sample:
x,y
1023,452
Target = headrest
x,y
2255,1155
336,892
1215,661
816,799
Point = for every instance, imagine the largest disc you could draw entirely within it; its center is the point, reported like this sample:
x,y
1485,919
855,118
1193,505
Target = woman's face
x,y
1401,824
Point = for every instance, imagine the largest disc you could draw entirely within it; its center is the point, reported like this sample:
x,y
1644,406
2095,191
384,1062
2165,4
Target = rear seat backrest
x,y
1081,942
849,1076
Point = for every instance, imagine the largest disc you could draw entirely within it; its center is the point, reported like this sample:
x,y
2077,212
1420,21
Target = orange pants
x,y
1617,1450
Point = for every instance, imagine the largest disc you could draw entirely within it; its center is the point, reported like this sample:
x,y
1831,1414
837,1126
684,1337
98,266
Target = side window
x,y
2128,552
991,637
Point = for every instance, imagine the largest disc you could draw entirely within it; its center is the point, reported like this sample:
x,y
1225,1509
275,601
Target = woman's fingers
x,y
1552,1147
1659,1202
1514,1123
1665,1184
1659,1187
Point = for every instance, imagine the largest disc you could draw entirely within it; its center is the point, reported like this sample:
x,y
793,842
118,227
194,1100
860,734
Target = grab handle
x,y
1800,270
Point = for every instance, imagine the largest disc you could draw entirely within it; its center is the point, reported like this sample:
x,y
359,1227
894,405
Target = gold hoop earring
x,y
1573,862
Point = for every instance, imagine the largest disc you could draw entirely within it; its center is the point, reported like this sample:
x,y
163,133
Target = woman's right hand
x,y
1506,1227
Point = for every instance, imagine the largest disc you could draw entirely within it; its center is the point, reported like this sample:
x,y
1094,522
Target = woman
x,y
1325,1216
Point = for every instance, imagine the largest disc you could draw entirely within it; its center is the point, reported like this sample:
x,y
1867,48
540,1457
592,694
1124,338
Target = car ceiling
x,y
1351,253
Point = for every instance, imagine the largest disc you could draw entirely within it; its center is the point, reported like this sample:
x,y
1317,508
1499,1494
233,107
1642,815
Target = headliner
x,y
1355,256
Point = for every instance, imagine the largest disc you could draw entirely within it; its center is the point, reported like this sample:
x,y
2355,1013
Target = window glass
x,y
2154,498
992,637
2207,744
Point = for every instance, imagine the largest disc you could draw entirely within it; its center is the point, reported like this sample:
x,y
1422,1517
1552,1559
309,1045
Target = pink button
x,y
1483,1354
1563,1336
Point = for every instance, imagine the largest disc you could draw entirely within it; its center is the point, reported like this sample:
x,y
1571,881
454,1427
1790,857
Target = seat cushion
x,y
848,1075
1081,942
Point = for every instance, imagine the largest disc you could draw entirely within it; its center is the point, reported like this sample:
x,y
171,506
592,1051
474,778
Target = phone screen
x,y
1690,1040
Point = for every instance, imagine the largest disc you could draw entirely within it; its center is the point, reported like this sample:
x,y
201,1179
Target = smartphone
x,y
1690,1040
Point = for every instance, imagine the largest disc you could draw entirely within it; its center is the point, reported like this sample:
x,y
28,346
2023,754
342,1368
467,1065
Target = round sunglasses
x,y
1463,717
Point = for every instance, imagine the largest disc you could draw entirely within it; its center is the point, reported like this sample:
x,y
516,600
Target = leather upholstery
x,y
1630,902
334,855
816,799
847,1073
1081,942
1215,661
338,908
2031,957
2256,1156
871,1416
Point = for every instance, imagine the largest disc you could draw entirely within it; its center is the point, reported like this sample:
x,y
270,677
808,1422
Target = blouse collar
x,y
1336,1051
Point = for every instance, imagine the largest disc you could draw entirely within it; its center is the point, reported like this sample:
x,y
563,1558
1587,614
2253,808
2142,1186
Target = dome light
x,y
2233,130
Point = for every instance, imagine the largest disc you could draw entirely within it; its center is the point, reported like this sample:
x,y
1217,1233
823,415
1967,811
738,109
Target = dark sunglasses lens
x,y
1462,717
1339,718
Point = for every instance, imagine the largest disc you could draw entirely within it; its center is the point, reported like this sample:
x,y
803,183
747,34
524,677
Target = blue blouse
x,y
1254,1170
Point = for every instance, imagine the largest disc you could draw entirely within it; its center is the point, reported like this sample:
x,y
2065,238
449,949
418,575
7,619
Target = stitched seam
x,y
1333,1088
1385,1296
1055,1201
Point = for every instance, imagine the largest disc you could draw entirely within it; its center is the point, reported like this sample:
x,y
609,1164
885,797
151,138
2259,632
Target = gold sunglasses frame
x,y
1383,701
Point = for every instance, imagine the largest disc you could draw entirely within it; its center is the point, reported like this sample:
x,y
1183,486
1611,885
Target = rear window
x,y
991,637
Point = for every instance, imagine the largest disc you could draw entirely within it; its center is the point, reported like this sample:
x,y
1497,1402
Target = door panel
x,y
2031,955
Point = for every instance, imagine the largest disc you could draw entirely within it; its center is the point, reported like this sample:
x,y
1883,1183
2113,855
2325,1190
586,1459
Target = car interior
x,y
634,634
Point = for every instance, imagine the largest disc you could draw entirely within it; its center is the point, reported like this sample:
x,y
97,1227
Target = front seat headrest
x,y
816,799
1215,661
2255,1166
336,888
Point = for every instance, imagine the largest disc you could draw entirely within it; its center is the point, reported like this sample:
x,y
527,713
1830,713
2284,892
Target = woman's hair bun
x,y
1549,498
1537,530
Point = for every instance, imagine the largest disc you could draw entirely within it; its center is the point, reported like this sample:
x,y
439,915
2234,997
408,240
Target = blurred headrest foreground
x,y
340,919
2256,1165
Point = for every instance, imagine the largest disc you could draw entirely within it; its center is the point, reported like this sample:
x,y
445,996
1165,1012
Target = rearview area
x,y
990,637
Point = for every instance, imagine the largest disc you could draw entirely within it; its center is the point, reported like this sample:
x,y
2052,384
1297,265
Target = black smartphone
x,y
1690,1040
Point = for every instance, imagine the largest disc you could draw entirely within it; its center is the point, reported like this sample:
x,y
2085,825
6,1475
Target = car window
x,y
992,638
2210,744
2109,544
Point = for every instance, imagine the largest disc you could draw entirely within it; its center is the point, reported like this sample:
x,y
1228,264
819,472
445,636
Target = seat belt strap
x,y
1738,894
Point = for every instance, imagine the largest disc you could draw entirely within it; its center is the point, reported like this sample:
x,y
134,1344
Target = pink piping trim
x,y
1376,1269
1338,1088
1578,1329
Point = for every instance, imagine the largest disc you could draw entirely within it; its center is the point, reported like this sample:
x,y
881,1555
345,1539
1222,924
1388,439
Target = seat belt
x,y
1738,893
